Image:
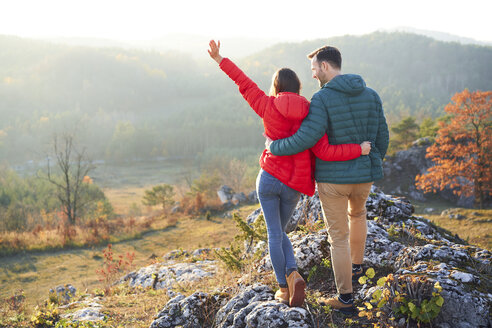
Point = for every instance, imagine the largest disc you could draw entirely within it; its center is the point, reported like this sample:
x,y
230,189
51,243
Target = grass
x,y
106,231
137,307
123,198
475,229
134,307
36,273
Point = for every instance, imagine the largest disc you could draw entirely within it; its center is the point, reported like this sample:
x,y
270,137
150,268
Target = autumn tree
x,y
462,152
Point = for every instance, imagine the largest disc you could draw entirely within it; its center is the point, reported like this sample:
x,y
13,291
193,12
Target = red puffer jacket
x,y
282,116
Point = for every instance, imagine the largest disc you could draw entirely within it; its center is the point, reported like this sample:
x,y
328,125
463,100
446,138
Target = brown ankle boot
x,y
296,289
338,304
282,295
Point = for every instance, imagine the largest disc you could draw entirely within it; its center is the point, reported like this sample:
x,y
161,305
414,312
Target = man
x,y
348,112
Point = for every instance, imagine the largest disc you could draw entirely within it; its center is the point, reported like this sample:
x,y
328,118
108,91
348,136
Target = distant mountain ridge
x,y
440,36
184,43
238,47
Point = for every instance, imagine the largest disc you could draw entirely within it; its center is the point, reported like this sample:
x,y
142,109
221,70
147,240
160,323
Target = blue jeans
x,y
278,202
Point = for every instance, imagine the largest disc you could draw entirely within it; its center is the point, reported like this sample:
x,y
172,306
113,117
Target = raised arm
x,y
255,97
311,130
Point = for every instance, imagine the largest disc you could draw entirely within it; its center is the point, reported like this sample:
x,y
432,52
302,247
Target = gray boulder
x,y
309,250
168,274
64,293
225,194
90,310
88,314
253,197
239,198
254,307
400,170
194,311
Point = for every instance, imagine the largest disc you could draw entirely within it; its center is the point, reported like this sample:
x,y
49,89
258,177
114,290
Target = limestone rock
x,y
255,307
239,198
225,194
397,242
194,311
253,197
309,250
400,170
64,293
90,311
229,198
88,314
166,275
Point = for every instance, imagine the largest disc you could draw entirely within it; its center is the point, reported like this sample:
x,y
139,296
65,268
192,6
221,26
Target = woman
x,y
283,178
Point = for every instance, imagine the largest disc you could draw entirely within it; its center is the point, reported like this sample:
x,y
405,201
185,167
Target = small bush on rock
x,y
413,297
235,257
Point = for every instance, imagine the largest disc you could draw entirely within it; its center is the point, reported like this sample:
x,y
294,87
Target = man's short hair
x,y
328,54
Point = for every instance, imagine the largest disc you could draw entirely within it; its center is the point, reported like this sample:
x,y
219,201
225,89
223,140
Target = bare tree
x,y
73,166
233,173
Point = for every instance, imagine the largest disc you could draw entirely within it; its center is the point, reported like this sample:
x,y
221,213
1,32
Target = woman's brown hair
x,y
285,80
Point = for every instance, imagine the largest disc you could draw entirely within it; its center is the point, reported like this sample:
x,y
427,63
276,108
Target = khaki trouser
x,y
344,212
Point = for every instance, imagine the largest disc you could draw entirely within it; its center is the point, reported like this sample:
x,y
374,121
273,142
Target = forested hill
x,y
125,103
415,75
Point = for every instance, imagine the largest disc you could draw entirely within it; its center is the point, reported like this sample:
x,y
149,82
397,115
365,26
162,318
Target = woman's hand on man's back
x,y
366,147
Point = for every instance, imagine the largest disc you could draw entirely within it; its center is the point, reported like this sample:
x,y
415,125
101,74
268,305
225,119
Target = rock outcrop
x,y
194,311
399,243
401,169
252,307
255,307
405,251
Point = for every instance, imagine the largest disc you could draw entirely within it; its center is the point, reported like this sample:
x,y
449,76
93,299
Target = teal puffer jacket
x,y
349,112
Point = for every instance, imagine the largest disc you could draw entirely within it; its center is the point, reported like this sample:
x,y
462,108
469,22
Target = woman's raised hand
x,y
366,147
214,51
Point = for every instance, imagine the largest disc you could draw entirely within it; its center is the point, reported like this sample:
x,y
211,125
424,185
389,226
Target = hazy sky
x,y
148,19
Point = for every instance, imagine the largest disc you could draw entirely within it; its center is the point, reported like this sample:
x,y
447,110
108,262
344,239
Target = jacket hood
x,y
351,84
291,105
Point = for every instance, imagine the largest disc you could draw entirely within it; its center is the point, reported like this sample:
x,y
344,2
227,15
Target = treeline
x,y
407,131
29,203
125,104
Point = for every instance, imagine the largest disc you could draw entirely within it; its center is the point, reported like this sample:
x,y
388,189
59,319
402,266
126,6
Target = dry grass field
x,y
36,273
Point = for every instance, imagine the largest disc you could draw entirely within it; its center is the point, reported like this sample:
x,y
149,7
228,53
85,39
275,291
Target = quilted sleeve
x,y
344,152
255,97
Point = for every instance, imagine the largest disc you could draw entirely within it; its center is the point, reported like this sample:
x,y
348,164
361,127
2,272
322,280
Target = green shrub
x,y
416,298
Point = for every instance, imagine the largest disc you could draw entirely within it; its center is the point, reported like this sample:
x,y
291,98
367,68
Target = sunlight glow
x,y
149,19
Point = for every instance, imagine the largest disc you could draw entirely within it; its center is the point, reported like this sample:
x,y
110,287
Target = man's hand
x,y
268,142
366,147
214,51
